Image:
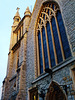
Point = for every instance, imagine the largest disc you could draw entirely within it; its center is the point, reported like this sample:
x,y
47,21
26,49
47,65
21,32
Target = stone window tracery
x,y
52,43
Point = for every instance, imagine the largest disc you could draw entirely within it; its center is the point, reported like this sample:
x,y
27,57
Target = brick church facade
x,y
41,58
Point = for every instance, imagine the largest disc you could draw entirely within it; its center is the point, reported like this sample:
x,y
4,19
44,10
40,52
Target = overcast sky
x,y
7,12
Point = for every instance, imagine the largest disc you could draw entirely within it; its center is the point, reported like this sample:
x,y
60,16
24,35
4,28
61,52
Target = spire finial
x,y
27,12
17,9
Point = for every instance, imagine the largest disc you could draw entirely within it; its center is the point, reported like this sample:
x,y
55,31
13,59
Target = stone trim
x,y
64,63
56,68
40,77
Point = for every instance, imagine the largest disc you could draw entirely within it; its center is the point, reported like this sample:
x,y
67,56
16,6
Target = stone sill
x,y
63,64
56,68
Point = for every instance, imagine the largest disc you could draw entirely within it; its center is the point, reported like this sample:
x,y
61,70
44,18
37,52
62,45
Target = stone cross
x,y
17,9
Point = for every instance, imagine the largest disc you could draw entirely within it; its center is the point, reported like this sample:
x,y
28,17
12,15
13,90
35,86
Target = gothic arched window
x,y
52,43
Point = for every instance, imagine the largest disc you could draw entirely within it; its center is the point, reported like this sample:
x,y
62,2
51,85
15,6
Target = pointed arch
x,y
63,35
55,92
45,48
42,20
46,15
54,49
50,9
56,40
40,52
50,45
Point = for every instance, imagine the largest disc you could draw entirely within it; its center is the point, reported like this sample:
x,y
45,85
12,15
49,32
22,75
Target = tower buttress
x,y
27,15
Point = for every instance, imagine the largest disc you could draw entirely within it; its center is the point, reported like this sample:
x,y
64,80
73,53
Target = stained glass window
x,y
44,17
50,45
53,37
45,48
65,43
56,40
53,6
40,53
48,11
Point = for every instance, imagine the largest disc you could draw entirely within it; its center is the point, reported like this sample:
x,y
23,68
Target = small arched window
x,y
52,43
18,63
18,60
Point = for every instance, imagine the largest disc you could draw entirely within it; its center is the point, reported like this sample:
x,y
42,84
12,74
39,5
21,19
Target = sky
x,y
7,12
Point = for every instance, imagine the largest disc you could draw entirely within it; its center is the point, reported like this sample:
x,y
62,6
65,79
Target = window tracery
x,y
52,42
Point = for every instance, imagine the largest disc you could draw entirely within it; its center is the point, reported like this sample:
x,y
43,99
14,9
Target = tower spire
x,y
17,17
27,12
17,13
17,9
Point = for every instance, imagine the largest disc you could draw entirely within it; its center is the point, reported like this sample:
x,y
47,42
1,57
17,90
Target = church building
x,y
41,58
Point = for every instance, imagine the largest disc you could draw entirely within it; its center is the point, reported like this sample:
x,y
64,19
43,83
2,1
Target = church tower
x,y
14,83
16,21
